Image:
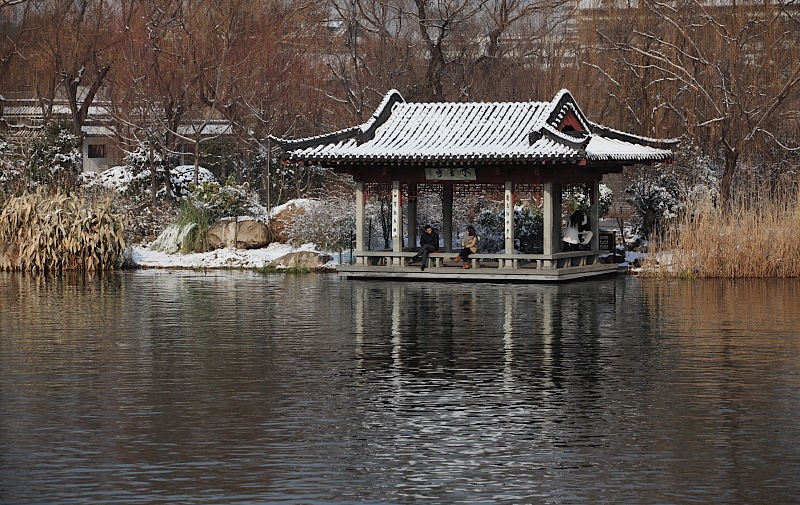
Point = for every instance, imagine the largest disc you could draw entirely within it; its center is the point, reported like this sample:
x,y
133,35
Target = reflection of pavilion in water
x,y
544,333
528,362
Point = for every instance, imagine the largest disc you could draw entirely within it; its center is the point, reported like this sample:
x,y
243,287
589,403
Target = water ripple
x,y
231,387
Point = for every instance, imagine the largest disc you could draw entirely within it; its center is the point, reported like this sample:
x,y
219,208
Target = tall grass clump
x,y
752,239
194,221
56,232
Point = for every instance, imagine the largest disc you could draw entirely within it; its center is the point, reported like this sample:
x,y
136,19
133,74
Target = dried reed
x,y
753,239
60,232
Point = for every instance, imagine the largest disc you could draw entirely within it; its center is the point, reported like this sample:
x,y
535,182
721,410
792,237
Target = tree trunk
x,y
726,185
153,176
267,169
196,159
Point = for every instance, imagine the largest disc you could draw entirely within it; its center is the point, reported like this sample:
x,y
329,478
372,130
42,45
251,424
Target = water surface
x,y
233,388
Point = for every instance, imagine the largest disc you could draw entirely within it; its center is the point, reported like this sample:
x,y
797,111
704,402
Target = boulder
x,y
303,259
241,234
9,255
284,215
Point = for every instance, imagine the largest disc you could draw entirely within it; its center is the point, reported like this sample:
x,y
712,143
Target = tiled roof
x,y
213,128
57,110
22,110
506,132
98,131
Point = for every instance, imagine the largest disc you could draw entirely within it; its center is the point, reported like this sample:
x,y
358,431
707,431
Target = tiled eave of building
x,y
433,160
510,134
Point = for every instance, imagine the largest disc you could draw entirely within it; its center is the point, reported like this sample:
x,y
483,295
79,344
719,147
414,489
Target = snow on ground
x,y
228,257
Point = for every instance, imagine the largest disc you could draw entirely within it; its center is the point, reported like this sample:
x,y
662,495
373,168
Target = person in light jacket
x,y
469,245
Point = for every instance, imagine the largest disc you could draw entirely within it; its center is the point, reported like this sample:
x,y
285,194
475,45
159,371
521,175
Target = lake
x,y
231,387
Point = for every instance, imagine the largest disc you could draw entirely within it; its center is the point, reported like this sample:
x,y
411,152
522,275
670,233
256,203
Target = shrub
x,y
55,157
528,229
12,171
656,202
576,197
230,200
660,196
329,223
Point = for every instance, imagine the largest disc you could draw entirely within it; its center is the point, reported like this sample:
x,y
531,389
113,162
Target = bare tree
x,y
77,37
454,50
725,74
148,94
12,31
281,90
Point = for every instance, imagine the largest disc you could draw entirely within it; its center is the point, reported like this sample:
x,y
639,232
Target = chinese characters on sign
x,y
450,174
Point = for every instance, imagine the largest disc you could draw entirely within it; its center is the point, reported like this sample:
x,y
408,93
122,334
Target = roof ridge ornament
x,y
380,116
561,105
611,133
362,133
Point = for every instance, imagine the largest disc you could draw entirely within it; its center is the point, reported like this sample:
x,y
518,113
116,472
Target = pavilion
x,y
505,148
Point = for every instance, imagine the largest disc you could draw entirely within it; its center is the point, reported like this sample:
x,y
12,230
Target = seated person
x,y
469,245
428,242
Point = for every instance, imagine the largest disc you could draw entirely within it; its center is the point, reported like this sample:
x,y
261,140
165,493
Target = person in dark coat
x,y
428,243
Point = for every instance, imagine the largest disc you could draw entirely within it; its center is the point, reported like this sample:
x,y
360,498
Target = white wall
x,y
112,156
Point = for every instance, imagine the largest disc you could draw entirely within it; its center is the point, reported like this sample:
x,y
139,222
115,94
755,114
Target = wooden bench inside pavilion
x,y
495,148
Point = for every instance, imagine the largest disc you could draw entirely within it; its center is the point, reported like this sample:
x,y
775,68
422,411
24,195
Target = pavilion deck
x,y
558,267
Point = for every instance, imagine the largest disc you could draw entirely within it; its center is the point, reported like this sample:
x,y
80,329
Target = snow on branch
x,y
772,136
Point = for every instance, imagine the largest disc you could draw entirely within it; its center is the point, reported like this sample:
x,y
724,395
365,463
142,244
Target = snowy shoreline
x,y
144,257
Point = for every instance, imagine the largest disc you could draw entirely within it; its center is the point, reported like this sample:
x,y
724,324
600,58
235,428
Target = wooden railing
x,y
482,260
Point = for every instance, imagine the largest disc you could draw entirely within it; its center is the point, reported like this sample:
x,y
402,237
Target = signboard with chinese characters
x,y
450,174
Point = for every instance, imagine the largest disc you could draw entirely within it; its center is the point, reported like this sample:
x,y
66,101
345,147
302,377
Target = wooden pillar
x,y
447,216
509,217
552,218
594,214
412,215
397,217
360,204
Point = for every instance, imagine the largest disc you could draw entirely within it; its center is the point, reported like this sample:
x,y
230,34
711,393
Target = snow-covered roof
x,y
58,109
207,129
400,132
98,131
22,110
